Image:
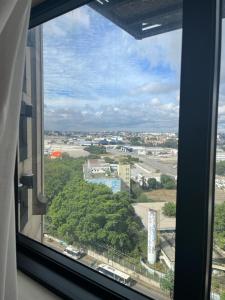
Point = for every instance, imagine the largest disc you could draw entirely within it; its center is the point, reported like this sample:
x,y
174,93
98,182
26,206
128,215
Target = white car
x,y
72,252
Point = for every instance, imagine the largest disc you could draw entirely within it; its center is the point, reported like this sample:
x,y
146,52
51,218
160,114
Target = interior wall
x,y
31,290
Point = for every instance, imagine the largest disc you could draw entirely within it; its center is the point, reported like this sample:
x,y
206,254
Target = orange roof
x,y
56,154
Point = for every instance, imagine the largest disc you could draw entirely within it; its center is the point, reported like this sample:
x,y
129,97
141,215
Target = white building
x,y
97,166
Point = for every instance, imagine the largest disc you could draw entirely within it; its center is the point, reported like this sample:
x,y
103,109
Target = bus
x,y
114,274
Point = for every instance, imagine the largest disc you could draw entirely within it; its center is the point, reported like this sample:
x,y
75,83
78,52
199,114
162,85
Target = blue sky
x,y
98,77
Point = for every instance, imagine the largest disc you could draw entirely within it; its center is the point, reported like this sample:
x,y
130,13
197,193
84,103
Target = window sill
x,y
66,278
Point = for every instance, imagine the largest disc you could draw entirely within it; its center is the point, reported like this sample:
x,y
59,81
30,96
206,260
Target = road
x,y
164,167
149,292
150,164
89,261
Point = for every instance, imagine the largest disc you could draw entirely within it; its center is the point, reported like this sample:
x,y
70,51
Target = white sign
x,y
152,235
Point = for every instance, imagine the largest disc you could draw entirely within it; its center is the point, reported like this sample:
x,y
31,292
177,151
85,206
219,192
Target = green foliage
x,y
219,225
169,209
143,198
222,296
95,149
170,143
136,141
58,172
153,184
93,156
167,182
136,190
93,216
167,283
129,160
110,160
220,168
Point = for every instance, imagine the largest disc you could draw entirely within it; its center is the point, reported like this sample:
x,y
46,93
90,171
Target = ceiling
x,y
36,2
140,18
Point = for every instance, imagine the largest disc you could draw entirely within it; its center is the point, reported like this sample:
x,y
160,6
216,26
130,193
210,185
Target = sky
x,y
97,77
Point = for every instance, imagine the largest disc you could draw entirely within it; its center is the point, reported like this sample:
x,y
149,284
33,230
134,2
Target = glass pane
x,y
218,267
103,192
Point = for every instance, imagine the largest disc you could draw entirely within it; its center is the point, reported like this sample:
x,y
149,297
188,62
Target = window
x,y
109,89
111,103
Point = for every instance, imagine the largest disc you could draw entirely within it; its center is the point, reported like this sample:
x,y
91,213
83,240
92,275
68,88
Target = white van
x,y
72,252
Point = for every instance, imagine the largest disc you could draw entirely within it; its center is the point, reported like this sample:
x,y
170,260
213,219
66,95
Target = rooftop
x,y
92,163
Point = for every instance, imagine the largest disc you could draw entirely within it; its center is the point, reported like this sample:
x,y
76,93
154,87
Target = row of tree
x,y
95,149
169,143
138,190
58,172
219,225
90,214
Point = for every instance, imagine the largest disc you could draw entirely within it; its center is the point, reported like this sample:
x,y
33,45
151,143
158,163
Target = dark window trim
x,y
51,9
199,93
194,237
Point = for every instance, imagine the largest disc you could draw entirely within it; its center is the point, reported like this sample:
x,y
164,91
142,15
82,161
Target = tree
x,y
93,216
110,160
153,184
219,225
167,283
220,168
168,182
95,149
136,141
144,185
128,159
135,189
58,172
169,209
170,143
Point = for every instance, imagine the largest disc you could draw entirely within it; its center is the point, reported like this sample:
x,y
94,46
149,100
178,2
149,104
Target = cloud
x,y
63,25
98,77
157,87
152,114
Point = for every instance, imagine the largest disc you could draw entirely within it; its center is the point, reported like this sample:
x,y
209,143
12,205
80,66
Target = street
x,y
89,261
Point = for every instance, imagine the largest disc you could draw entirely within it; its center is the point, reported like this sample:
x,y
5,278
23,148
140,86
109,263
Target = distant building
x,y
115,176
56,154
97,166
114,184
167,253
124,174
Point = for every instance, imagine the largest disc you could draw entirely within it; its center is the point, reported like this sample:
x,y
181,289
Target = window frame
x,y
71,280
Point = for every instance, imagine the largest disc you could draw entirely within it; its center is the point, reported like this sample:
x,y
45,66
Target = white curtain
x,y
14,19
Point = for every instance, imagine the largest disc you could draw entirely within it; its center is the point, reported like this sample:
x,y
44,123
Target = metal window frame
x,y
200,71
199,92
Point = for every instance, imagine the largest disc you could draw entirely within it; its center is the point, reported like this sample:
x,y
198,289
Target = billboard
x,y
112,183
152,235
